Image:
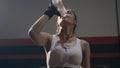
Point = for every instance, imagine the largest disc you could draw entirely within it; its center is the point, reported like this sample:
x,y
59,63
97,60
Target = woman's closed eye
x,y
68,12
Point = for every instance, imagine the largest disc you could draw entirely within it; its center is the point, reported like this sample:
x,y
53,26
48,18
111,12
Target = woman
x,y
63,50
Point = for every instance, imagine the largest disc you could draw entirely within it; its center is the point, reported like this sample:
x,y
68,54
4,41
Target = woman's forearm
x,y
39,24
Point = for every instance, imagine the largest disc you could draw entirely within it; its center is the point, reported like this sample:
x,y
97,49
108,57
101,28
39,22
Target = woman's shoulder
x,y
83,41
84,44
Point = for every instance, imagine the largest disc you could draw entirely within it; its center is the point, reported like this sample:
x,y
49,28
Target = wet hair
x,y
74,28
75,16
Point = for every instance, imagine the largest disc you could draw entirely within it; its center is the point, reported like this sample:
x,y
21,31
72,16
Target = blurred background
x,y
98,23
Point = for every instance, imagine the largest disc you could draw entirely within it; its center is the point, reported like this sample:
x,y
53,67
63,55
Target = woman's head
x,y
69,19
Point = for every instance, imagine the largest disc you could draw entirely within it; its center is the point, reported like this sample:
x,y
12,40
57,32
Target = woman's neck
x,y
65,33
66,30
65,37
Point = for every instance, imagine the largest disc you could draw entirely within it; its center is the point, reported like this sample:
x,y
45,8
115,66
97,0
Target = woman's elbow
x,y
31,33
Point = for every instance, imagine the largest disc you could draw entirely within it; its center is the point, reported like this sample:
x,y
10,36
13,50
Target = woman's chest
x,y
67,53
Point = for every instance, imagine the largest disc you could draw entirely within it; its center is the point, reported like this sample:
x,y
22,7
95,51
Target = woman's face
x,y
67,19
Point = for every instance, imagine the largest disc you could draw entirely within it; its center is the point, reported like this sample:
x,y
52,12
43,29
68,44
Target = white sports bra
x,y
59,56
